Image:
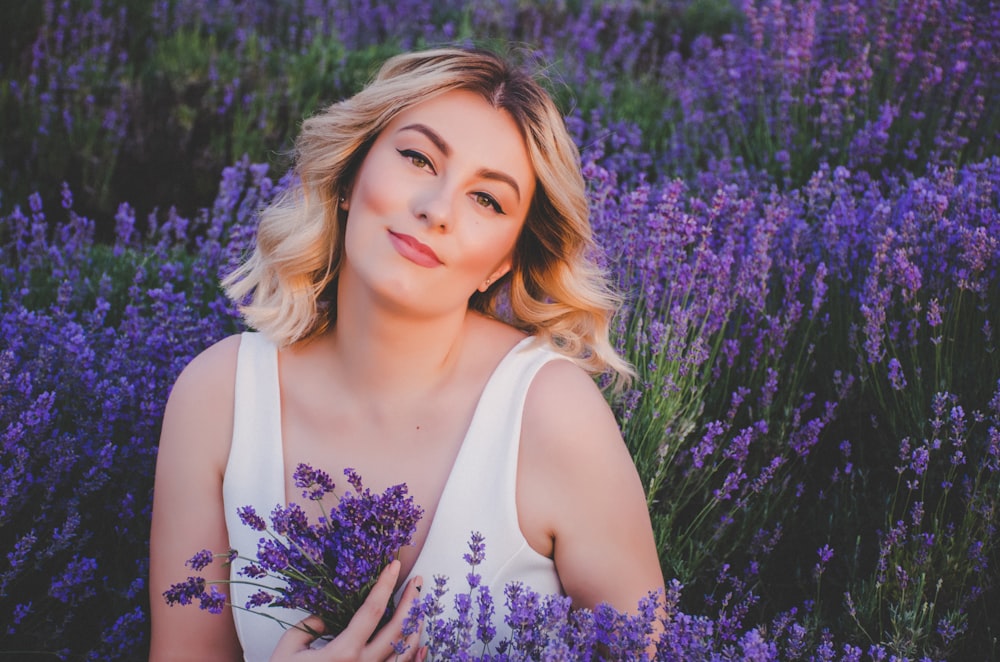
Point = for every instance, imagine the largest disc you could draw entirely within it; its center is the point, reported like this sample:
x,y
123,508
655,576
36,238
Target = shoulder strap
x,y
481,490
255,466
254,476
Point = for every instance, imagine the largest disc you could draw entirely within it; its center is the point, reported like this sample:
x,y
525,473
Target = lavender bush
x,y
800,199
738,425
92,337
109,94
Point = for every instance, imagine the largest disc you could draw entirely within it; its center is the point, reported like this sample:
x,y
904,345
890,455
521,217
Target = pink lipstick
x,y
413,250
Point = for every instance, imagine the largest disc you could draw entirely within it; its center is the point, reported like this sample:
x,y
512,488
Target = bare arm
x,y
578,491
188,513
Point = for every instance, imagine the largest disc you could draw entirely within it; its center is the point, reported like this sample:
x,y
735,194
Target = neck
x,y
389,354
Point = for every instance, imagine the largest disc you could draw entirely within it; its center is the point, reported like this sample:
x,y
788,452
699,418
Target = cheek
x,y
493,250
375,191
370,200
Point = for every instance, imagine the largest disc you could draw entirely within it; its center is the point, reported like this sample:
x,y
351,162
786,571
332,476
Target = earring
x,y
488,281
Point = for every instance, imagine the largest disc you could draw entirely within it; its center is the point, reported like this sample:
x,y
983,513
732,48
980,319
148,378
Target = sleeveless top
x,y
479,493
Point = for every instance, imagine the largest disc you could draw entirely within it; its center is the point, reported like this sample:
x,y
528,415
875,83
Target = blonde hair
x,y
556,289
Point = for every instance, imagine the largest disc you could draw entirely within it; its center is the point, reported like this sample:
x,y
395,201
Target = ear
x,y
495,276
346,188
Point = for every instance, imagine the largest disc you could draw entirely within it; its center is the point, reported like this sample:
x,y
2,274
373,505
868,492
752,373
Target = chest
x,y
415,443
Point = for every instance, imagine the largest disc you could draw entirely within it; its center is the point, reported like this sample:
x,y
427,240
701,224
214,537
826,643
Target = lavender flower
x,y
328,567
825,553
896,377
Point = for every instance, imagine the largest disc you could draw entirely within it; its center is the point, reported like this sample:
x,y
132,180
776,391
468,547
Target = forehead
x,y
473,130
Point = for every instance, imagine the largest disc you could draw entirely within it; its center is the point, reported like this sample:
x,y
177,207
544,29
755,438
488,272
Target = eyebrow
x,y
484,173
431,135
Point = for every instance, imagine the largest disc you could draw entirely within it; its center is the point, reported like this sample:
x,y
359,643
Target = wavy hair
x,y
556,290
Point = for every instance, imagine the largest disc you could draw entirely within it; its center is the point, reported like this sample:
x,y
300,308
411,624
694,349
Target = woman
x,y
377,285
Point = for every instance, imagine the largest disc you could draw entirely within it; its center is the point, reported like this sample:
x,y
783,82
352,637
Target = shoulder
x,y
564,399
200,406
569,434
215,366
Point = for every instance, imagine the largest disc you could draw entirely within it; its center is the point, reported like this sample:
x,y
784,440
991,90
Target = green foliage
x,y
713,18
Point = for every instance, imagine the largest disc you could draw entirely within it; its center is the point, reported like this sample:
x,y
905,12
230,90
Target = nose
x,y
432,205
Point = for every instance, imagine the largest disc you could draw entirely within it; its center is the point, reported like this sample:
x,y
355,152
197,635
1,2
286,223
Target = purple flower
x,y
185,592
213,601
200,561
253,570
485,628
259,599
825,553
896,377
250,517
477,550
72,586
288,520
934,313
272,555
315,483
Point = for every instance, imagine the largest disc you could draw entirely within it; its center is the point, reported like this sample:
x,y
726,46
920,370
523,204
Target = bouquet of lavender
x,y
327,568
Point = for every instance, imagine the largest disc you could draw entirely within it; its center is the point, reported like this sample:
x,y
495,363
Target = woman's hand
x,y
353,645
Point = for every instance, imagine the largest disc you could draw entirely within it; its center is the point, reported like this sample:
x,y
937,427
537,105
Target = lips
x,y
414,250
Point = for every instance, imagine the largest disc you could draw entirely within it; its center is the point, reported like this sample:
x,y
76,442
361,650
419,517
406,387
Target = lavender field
x,y
800,199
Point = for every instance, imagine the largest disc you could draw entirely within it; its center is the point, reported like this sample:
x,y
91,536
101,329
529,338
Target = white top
x,y
479,494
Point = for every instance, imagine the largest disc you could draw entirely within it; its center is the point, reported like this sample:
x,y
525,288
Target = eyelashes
x,y
487,200
420,161
417,159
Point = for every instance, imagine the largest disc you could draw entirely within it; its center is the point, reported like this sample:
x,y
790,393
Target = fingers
x,y
298,638
412,654
414,651
353,643
367,618
392,631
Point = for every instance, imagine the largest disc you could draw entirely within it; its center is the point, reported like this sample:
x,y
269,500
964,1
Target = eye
x,y
487,200
416,158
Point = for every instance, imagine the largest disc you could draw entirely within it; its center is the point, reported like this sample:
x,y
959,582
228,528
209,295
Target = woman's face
x,y
437,204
